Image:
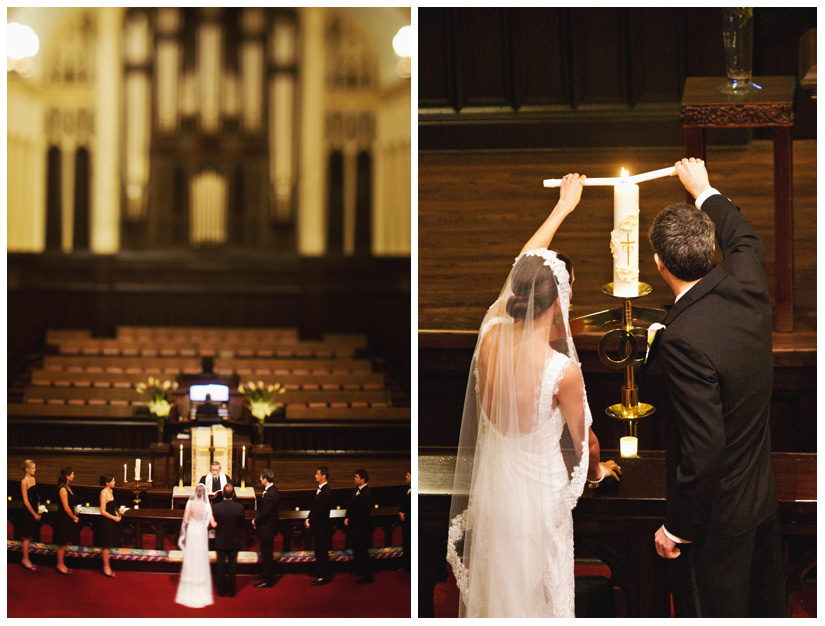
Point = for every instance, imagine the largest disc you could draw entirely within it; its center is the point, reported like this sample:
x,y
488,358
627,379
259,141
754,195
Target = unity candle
x,y
243,458
624,240
137,469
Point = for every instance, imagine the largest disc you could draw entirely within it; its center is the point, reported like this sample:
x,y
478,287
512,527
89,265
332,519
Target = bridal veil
x,y
523,452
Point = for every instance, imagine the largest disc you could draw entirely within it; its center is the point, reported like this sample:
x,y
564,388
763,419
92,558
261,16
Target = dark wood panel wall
x,y
557,77
316,295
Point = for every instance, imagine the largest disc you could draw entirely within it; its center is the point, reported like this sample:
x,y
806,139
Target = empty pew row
x,y
388,414
194,365
114,347
125,396
322,379
193,333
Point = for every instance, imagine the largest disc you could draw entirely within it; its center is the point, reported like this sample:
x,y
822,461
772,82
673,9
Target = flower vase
x,y
737,37
259,432
161,423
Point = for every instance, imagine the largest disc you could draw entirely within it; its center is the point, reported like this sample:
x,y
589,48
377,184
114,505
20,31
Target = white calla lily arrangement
x,y
159,402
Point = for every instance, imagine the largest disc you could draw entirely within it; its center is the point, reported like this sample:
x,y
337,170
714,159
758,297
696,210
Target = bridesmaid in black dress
x,y
29,515
109,516
64,524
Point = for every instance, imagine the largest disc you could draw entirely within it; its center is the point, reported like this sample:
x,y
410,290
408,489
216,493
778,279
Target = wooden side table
x,y
772,106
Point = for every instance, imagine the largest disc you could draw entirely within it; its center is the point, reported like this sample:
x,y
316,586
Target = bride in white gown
x,y
526,447
195,587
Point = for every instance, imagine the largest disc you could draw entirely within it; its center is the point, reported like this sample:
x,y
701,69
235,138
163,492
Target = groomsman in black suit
x,y
265,523
359,525
230,516
711,372
318,523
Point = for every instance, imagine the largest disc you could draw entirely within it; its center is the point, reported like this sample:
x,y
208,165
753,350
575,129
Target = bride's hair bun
x,y
531,275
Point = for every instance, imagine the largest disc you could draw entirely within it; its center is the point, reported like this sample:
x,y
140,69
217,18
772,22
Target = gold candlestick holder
x,y
629,410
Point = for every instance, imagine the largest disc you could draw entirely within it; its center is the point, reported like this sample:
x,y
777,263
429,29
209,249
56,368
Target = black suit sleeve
x,y
696,402
742,250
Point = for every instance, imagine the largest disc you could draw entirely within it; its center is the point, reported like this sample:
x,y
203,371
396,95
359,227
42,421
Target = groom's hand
x,y
665,546
693,175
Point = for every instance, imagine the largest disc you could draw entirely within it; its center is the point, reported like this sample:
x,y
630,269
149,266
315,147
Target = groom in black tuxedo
x,y
230,518
711,372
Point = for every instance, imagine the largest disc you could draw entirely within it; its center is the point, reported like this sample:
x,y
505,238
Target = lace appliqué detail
x,y
458,525
552,261
548,390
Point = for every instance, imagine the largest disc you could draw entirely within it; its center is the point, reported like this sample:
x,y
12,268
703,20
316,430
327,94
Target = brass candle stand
x,y
631,355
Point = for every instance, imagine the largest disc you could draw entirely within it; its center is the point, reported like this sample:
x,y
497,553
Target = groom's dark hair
x,y
228,492
684,237
268,474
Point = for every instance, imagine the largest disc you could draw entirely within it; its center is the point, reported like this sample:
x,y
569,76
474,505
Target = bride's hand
x,y
610,468
571,191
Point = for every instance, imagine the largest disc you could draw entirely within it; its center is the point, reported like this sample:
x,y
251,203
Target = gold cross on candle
x,y
628,246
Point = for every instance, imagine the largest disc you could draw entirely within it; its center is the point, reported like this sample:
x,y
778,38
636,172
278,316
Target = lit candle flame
x,y
625,174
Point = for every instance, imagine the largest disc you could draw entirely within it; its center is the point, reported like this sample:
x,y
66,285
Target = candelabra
x,y
629,410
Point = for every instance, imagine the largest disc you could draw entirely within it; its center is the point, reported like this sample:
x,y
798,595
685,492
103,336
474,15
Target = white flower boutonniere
x,y
652,331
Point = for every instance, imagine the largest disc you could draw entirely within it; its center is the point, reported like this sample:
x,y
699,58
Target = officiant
x,y
215,482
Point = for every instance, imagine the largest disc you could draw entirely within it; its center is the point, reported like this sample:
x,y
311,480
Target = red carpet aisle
x,y
47,594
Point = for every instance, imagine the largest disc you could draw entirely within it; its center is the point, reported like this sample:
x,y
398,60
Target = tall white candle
x,y
150,472
181,455
624,240
243,458
137,469
125,479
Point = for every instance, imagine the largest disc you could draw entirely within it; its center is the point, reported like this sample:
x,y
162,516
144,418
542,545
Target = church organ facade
x,y
237,128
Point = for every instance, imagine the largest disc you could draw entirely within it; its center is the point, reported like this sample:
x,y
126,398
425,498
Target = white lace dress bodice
x,y
517,550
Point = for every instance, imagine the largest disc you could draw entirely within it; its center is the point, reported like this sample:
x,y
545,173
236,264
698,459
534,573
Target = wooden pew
x,y
84,394
145,363
241,365
192,333
356,414
73,411
283,349
359,380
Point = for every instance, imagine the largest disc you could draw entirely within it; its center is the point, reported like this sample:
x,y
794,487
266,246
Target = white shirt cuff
x,y
707,193
674,537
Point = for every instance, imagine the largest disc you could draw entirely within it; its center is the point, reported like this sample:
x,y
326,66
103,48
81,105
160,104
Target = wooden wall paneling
x,y
541,58
436,69
483,53
580,77
657,63
600,56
